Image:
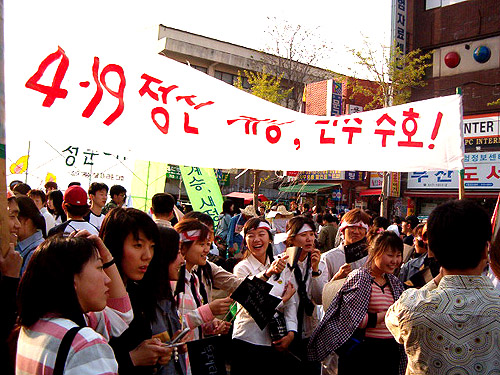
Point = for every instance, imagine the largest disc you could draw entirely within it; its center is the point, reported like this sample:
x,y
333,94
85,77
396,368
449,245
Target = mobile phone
x,y
180,336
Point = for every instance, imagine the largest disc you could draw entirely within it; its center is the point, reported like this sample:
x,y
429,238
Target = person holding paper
x,y
255,350
352,252
353,325
306,272
131,236
197,278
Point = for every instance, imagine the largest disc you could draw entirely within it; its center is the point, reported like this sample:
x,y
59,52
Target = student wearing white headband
x,y
306,273
255,350
352,252
197,278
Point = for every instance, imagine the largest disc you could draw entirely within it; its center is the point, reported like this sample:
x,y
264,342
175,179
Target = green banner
x,y
203,191
149,179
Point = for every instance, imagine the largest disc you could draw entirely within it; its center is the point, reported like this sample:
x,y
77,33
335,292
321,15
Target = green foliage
x,y
496,102
265,86
395,74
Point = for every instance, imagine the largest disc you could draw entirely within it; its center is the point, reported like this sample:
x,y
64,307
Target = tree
x,y
265,86
291,55
394,74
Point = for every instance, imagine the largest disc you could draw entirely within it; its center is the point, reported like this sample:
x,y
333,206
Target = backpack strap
x,y
62,352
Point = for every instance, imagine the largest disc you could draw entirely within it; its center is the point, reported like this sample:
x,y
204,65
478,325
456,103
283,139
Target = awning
x,y
449,194
306,188
247,197
369,192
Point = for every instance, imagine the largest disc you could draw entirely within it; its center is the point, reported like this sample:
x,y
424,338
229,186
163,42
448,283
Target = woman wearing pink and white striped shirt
x,y
71,282
353,325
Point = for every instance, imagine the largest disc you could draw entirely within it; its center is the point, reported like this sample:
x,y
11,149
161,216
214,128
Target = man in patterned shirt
x,y
452,325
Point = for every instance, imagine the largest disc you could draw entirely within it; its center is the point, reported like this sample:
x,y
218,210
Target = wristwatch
x,y
316,274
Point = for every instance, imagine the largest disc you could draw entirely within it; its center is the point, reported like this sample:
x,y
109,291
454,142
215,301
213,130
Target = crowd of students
x,y
106,293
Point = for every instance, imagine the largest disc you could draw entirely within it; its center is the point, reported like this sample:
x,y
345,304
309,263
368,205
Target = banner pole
x,y
4,224
461,175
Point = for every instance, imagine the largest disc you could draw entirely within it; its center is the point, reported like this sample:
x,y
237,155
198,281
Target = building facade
x,y
465,39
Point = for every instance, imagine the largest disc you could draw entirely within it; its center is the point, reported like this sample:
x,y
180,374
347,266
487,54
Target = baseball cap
x,y
76,196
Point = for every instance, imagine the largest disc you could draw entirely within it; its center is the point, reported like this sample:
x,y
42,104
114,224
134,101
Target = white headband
x,y
190,235
262,224
359,224
305,228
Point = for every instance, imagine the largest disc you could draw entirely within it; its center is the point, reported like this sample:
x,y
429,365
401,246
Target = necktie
x,y
305,304
196,298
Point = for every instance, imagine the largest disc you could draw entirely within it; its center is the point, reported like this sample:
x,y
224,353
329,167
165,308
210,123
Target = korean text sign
x,y
165,111
203,191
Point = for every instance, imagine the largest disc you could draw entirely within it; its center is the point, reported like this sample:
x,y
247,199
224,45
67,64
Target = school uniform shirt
x,y
245,327
193,315
314,288
89,353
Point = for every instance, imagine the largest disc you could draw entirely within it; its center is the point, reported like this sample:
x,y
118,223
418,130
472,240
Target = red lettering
x,y
384,134
469,176
386,117
145,88
493,173
187,128
351,129
164,92
269,137
162,111
411,116
324,140
89,110
54,91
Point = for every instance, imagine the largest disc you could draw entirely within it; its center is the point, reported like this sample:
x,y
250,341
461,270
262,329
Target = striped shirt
x,y
381,299
90,353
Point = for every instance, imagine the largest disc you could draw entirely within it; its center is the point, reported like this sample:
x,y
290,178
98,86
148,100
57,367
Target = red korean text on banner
x,y
54,91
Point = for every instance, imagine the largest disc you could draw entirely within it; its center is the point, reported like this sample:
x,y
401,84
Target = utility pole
x,y
384,194
256,179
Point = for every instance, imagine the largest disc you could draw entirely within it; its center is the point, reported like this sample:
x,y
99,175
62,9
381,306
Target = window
x,y
231,79
431,4
200,68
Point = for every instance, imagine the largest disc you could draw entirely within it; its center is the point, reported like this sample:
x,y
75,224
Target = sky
x,y
342,24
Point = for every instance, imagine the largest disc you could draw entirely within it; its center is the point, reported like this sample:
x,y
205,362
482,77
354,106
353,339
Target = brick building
x,y
465,39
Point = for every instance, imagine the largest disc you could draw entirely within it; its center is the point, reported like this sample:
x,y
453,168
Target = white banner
x,y
65,162
151,107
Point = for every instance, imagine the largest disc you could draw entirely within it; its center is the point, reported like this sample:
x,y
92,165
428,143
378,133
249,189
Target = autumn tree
x,y
291,54
264,85
393,73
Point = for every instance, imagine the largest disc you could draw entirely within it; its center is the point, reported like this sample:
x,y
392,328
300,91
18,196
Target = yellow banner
x,y
203,190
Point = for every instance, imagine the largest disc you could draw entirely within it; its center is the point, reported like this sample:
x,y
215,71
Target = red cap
x,y
76,196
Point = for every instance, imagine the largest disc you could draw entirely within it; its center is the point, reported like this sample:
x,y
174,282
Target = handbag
x,y
277,326
352,343
62,352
